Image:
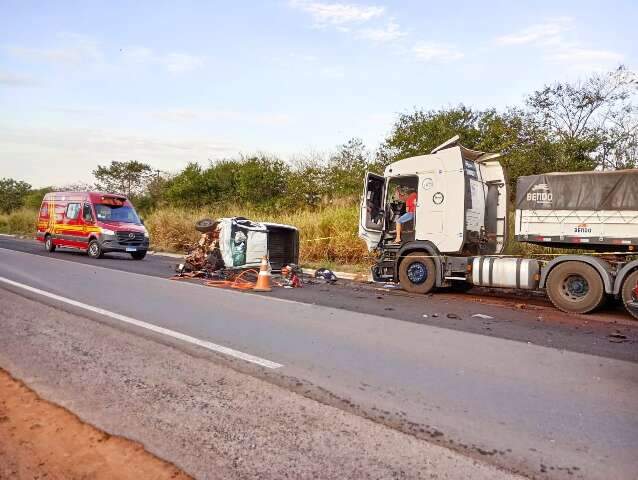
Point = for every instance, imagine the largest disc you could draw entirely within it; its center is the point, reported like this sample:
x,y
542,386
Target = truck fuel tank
x,y
505,272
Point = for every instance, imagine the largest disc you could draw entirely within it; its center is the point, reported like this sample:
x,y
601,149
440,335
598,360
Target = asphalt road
x,y
540,407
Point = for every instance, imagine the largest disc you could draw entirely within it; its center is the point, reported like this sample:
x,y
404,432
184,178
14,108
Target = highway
x,y
529,390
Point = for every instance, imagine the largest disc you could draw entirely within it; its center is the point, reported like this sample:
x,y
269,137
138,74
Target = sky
x,y
167,83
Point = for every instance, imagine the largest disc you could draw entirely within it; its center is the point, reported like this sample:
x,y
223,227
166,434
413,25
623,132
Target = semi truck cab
x,y
461,205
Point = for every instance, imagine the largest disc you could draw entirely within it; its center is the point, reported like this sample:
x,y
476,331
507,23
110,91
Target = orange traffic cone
x,y
264,280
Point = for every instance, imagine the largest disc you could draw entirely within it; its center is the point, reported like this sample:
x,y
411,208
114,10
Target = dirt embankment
x,y
39,440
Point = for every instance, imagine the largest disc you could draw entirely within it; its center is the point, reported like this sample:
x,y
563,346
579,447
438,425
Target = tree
x,y
129,178
33,199
582,115
417,133
12,194
347,167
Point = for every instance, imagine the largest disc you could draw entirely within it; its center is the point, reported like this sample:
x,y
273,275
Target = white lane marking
x,y
148,326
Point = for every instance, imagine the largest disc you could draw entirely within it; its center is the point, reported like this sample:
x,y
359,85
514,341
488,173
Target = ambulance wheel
x,y
417,274
575,287
49,246
630,283
138,255
94,250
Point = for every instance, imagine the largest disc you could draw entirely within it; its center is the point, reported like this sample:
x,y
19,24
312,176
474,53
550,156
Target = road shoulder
x,y
209,420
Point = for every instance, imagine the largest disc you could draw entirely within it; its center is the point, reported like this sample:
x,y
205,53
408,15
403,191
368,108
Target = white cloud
x,y
172,62
436,52
80,50
188,115
388,33
586,59
16,80
550,37
546,33
332,73
77,50
338,14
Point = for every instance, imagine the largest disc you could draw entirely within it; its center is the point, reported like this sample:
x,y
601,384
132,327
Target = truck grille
x,y
130,238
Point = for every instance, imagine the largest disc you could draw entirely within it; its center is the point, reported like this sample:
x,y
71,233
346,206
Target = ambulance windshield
x,y
116,213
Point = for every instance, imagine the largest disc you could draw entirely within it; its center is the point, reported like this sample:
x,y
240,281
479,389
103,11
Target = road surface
x,y
529,390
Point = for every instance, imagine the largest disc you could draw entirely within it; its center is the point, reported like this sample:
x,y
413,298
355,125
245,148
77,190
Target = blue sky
x,y
83,83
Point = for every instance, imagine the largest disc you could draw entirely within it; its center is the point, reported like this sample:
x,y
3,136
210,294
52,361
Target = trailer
x,y
460,228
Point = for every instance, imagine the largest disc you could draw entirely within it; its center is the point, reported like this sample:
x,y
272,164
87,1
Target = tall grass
x,y
328,234
19,222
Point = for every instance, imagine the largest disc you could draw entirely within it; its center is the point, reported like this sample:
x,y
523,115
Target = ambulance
x,y
95,222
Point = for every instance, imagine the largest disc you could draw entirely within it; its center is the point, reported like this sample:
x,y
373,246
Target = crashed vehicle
x,y
239,243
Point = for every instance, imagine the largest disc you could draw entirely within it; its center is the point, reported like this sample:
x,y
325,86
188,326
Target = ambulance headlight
x,y
106,231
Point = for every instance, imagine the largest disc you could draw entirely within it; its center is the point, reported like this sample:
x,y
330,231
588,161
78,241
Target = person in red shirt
x,y
410,209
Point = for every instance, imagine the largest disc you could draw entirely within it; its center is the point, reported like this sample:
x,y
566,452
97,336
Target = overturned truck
x,y
239,243
458,229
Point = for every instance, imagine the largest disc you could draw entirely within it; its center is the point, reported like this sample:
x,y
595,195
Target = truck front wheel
x,y
575,287
627,294
417,273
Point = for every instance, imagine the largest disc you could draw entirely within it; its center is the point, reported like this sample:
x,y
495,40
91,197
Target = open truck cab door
x,y
372,212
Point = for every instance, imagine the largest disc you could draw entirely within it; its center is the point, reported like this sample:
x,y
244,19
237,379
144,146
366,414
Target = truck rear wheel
x,y
627,295
417,274
575,287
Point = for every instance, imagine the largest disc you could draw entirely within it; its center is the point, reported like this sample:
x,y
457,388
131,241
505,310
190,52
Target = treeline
x,y
584,125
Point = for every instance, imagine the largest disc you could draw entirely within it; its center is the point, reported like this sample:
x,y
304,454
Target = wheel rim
x,y
93,249
575,287
417,273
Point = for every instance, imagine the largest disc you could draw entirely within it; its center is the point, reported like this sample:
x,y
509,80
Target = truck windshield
x,y
117,213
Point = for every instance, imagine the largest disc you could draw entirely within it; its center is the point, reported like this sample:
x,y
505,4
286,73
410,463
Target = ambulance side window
x,y
72,211
87,214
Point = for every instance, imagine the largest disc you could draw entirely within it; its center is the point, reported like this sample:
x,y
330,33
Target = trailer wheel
x,y
49,246
416,273
94,250
575,287
627,293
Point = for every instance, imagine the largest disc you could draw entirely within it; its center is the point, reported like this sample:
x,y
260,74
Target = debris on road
x,y
452,315
327,275
483,316
617,337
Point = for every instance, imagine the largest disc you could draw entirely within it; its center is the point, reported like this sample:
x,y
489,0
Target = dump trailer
x,y
459,228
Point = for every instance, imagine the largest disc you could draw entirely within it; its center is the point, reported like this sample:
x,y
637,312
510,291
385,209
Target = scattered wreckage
x,y
235,252
238,243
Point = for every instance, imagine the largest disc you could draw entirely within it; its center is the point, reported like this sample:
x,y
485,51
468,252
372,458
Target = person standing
x,y
410,209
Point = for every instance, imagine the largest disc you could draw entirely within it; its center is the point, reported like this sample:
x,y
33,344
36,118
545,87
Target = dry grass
x,y
328,234
20,222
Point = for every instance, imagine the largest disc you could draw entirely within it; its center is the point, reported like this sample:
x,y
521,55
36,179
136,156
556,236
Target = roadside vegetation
x,y
584,125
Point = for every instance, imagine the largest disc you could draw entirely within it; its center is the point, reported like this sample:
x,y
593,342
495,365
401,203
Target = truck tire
x,y
94,250
417,274
575,287
49,246
626,293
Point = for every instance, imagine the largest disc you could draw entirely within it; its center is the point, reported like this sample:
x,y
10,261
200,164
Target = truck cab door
x,y
372,212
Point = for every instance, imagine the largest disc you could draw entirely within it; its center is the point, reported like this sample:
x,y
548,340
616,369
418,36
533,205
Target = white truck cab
x,y
461,201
